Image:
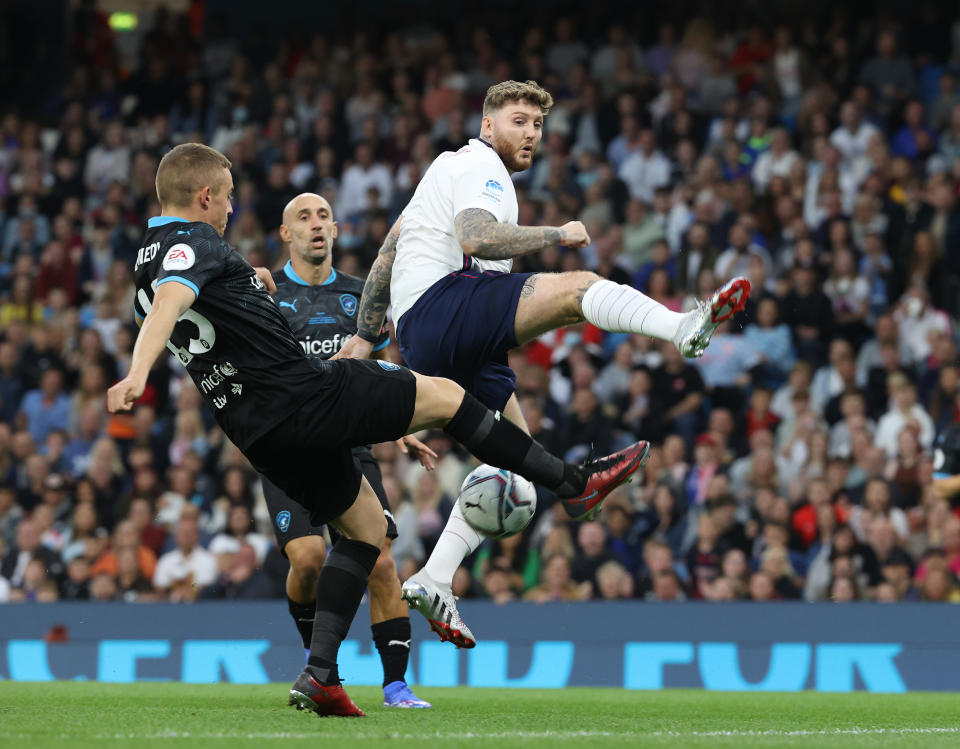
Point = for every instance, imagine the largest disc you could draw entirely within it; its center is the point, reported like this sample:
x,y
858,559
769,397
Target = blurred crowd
x,y
820,157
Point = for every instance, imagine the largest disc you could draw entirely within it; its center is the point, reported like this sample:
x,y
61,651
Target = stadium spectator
x,y
125,537
239,532
47,407
28,549
180,573
592,553
613,582
557,584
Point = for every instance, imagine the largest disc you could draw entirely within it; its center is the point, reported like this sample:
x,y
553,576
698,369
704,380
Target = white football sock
x,y
457,541
618,308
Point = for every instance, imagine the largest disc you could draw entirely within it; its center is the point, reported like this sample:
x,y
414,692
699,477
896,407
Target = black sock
x,y
501,443
339,590
302,614
392,638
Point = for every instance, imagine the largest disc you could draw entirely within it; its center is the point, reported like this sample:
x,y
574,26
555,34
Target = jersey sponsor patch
x,y
348,303
179,257
283,520
388,365
493,190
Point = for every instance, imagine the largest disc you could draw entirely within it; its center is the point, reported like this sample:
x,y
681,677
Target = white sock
x,y
457,541
618,308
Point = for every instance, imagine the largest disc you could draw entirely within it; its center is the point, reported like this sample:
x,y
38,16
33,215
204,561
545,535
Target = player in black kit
x,y
320,303
297,418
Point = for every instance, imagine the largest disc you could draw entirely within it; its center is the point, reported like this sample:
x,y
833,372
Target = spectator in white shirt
x,y
645,169
904,411
108,161
240,531
775,161
854,134
918,321
189,563
735,260
363,174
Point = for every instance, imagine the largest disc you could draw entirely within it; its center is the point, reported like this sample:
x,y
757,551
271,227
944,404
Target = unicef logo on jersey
x,y
283,521
388,365
348,303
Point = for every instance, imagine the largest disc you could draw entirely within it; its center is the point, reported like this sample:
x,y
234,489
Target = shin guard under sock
x,y
339,590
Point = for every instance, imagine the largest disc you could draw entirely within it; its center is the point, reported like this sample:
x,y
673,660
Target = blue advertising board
x,y
739,646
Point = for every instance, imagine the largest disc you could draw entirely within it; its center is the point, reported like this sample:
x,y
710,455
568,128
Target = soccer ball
x,y
497,503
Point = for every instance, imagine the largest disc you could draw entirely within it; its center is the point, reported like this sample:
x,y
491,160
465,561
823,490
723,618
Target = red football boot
x,y
309,694
603,476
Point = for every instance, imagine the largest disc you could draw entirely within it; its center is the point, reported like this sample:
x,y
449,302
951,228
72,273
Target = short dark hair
x,y
187,168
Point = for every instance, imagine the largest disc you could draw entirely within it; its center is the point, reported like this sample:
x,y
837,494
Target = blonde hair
x,y
529,91
187,168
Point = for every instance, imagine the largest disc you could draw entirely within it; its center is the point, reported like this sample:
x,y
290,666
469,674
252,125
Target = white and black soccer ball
x,y
497,503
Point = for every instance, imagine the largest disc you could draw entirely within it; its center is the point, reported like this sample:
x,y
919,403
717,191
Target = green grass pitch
x,y
144,715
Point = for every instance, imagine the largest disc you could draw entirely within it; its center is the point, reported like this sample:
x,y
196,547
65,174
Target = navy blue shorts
x,y
462,328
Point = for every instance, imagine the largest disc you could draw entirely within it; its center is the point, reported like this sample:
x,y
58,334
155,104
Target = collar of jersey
x,y
488,145
156,221
290,273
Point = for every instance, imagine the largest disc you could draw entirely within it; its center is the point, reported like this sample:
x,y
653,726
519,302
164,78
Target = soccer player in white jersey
x,y
446,267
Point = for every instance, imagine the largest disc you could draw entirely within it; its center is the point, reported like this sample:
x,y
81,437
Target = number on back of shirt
x,y
201,344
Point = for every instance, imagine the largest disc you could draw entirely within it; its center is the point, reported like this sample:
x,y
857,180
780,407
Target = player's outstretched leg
x,y
552,300
340,587
501,443
390,625
497,441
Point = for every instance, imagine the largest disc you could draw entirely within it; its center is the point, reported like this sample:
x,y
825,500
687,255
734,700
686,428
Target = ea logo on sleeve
x,y
179,257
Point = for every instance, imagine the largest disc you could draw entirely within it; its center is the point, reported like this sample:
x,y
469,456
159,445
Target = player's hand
x,y
575,235
421,452
124,394
355,348
266,278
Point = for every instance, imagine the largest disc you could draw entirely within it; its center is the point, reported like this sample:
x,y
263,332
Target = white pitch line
x,y
559,735
823,732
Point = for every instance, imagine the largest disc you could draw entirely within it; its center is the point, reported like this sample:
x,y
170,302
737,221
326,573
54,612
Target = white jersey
x,y
427,250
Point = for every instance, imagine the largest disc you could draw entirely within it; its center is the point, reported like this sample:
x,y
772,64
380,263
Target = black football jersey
x,y
234,342
322,317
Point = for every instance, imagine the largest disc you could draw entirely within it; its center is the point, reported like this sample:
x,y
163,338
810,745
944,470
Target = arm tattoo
x,y
482,236
376,290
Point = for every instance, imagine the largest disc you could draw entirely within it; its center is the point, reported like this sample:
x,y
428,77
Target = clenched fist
x,y
575,235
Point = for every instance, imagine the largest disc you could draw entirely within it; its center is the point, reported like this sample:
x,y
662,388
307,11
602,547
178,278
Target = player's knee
x,y
577,282
306,556
380,531
384,575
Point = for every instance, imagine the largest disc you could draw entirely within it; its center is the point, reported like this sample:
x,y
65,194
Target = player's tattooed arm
x,y
481,235
376,291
